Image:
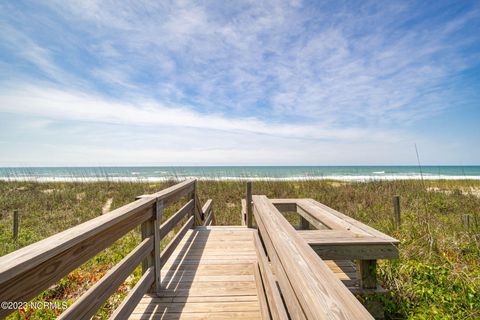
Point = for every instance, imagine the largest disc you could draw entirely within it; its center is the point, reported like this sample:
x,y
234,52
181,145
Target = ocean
x,y
152,174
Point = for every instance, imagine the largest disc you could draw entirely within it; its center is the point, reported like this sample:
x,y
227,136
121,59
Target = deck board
x,y
210,275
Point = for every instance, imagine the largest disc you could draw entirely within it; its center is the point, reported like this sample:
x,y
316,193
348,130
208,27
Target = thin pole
x,y
396,211
15,224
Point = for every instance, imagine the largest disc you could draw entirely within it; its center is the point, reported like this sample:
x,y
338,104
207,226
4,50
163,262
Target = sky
x,y
96,83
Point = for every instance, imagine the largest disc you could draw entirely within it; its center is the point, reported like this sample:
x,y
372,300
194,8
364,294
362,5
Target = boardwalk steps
x,y
269,271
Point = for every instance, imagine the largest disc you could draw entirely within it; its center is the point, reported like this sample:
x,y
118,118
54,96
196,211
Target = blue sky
x,y
239,83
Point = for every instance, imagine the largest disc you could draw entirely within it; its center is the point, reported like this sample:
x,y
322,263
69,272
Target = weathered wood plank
x,y
156,245
207,207
224,228
197,280
208,219
264,310
172,193
27,284
339,244
28,271
356,251
319,292
195,262
224,269
275,303
175,241
168,225
26,258
314,207
224,285
147,299
212,289
135,295
325,237
147,230
195,307
175,278
88,303
314,221
293,306
251,315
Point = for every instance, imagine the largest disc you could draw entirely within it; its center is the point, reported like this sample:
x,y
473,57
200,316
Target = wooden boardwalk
x,y
210,275
265,269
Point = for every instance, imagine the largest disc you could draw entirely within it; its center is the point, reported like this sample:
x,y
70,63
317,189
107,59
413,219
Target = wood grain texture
x,y
30,282
171,222
167,252
207,212
344,221
273,296
88,303
128,304
339,244
292,305
200,280
30,256
159,208
264,310
207,207
313,220
172,193
320,293
147,230
356,251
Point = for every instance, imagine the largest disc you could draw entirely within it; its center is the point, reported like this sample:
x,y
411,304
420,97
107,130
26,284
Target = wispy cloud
x,y
51,103
344,72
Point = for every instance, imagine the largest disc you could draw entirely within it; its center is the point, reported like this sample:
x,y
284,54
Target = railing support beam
x,y
158,216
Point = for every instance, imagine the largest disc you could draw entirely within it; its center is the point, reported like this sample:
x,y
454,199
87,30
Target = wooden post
x,y
249,205
466,221
195,206
367,273
396,211
158,217
15,224
147,229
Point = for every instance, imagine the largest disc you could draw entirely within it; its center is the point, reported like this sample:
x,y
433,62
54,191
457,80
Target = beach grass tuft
x,y
436,277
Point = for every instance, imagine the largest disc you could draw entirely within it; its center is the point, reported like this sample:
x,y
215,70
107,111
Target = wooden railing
x,y
25,273
308,287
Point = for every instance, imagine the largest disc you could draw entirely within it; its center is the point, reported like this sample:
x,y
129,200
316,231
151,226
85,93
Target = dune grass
x,y
437,276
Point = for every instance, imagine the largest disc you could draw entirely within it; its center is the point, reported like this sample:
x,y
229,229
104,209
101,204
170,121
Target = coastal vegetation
x,y
436,277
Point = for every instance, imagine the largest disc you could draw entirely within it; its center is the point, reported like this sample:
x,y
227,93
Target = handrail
x,y
28,271
207,211
309,288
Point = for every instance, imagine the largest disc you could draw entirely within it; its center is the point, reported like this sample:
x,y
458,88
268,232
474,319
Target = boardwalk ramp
x,y
192,269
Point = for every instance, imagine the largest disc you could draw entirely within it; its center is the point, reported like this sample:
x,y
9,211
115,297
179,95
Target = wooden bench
x,y
309,288
340,237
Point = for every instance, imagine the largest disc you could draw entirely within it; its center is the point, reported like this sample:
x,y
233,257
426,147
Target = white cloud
x,y
285,73
59,104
